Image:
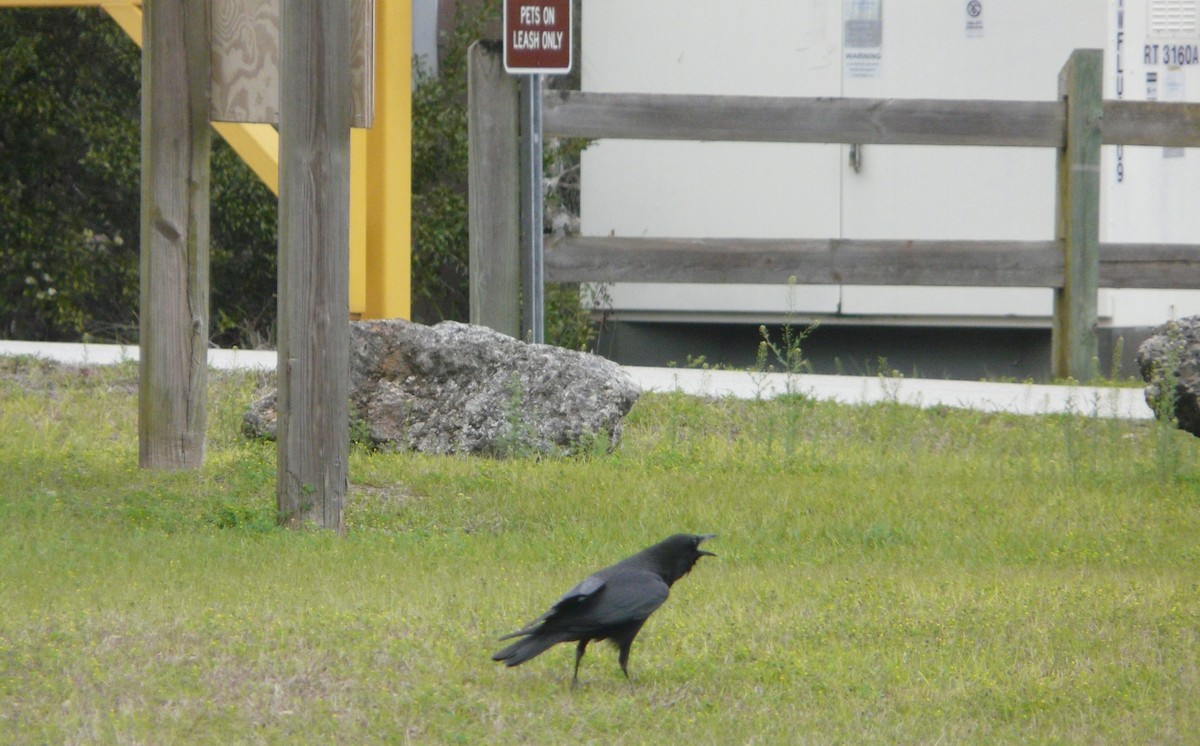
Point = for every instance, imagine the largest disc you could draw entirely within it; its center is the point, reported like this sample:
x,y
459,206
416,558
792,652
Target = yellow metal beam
x,y
358,223
128,16
389,167
258,146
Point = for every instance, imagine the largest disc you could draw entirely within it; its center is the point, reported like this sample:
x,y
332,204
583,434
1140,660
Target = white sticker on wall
x,y
862,37
974,26
1172,90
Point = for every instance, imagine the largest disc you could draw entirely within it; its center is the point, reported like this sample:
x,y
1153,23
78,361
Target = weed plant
x,y
897,575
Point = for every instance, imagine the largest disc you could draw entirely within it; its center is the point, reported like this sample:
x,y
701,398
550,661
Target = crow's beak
x,y
706,537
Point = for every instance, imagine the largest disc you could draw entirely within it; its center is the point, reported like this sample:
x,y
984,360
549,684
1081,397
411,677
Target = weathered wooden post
x,y
173,319
493,191
1078,218
314,238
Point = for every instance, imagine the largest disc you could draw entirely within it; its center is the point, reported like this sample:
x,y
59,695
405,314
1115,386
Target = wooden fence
x,y
1075,264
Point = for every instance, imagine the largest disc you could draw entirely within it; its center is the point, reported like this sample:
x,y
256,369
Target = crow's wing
x,y
623,597
577,595
588,587
629,595
604,600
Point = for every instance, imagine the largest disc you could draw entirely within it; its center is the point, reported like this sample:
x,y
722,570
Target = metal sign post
x,y
537,41
532,279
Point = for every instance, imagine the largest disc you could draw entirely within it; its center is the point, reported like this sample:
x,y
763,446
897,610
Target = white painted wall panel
x,y
745,47
692,190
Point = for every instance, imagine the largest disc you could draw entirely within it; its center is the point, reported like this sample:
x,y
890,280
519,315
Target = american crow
x,y
611,604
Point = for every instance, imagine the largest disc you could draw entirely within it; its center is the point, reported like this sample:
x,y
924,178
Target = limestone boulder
x,y
1169,362
457,388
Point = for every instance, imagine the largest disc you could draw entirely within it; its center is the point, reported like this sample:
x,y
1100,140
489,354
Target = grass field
x,y
885,575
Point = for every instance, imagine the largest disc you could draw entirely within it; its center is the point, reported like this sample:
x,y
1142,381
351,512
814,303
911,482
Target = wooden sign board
x,y
245,61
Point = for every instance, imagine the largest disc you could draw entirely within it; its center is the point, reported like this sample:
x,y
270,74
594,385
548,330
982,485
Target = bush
x,y
69,112
70,188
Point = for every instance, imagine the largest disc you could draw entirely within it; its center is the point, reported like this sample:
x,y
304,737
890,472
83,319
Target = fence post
x,y
313,399
173,319
493,192
1077,224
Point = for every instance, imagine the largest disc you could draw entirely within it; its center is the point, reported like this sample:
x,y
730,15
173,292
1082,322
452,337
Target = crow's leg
x,y
623,659
579,650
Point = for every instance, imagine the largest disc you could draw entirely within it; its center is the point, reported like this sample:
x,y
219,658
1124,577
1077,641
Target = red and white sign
x,y
537,36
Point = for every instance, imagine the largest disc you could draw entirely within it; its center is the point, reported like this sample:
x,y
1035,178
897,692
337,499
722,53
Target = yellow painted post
x,y
358,223
389,167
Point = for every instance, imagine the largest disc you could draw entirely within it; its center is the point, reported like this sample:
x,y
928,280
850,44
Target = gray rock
x,y
456,388
1172,355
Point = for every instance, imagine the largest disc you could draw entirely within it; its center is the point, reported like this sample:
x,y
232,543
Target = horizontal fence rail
x,y
644,116
1171,125
1150,266
862,262
810,261
866,121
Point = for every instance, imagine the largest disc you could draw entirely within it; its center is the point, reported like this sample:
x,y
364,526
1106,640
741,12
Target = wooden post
x,y
174,294
493,191
1078,218
314,238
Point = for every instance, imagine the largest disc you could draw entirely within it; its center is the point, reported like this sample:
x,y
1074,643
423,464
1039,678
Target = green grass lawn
x,y
885,575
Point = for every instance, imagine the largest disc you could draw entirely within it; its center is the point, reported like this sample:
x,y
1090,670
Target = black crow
x,y
611,604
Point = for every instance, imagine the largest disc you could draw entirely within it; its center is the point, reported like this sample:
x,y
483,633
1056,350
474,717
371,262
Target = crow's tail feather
x,y
526,648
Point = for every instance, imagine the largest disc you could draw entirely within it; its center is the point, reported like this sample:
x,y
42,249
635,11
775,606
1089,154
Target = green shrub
x,y
70,190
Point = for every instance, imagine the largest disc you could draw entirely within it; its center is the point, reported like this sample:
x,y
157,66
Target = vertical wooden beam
x,y
174,290
493,176
314,237
389,167
1078,218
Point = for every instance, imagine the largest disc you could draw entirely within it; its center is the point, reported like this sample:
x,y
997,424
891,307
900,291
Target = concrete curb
x,y
1016,398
